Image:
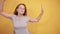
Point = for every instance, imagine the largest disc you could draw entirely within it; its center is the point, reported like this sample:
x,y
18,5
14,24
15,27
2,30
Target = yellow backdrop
x,y
49,23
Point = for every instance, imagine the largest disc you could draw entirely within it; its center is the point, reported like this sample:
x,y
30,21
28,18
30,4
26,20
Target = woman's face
x,y
21,9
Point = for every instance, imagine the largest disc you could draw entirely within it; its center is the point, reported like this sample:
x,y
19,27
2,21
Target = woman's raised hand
x,y
42,8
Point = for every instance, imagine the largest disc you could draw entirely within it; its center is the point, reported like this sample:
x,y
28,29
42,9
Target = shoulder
x,y
27,17
12,15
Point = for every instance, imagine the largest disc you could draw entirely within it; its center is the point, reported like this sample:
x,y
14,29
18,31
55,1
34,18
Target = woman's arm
x,y
1,10
39,17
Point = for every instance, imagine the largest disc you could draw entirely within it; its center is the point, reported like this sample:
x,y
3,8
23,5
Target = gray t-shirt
x,y
22,22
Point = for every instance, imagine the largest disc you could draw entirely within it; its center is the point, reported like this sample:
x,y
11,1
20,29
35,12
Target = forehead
x,y
22,6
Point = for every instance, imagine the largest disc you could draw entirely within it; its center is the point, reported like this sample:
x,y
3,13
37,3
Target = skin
x,y
21,11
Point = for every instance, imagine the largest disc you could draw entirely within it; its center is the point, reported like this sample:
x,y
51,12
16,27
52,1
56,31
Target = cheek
x,y
21,11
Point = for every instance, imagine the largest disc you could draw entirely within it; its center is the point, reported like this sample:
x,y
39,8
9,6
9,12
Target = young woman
x,y
20,18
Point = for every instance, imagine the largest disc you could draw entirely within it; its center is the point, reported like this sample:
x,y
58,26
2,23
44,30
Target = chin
x,y
22,13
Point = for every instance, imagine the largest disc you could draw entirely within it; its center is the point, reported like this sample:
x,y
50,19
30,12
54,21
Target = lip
x,y
21,11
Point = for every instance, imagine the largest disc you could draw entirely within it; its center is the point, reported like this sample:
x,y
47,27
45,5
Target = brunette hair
x,y
16,12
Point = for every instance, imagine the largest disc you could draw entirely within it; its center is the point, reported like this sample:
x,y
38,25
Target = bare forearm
x,y
36,19
1,5
39,17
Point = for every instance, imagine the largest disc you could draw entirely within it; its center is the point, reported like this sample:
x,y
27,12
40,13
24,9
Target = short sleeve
x,y
28,18
13,16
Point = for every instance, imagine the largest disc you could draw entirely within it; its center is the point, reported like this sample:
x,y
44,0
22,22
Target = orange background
x,y
49,23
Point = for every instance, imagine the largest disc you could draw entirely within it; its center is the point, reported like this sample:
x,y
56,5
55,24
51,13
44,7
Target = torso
x,y
22,22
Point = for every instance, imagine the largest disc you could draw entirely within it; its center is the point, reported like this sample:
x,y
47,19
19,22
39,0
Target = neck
x,y
19,15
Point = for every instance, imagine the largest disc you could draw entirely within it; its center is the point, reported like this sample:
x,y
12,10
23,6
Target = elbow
x,y
37,21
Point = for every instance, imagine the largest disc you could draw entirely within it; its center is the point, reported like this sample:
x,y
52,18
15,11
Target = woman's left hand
x,y
42,8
